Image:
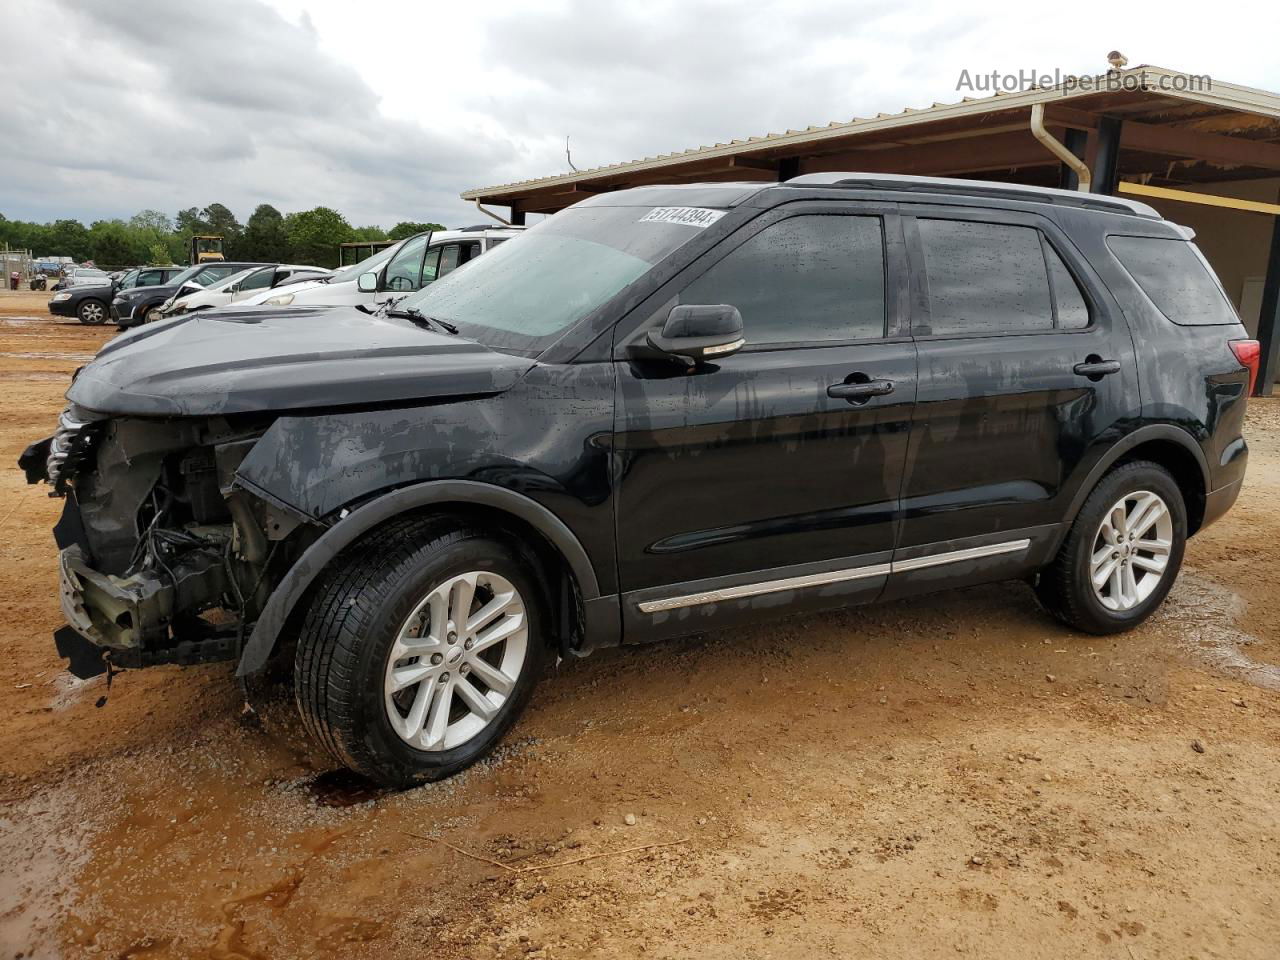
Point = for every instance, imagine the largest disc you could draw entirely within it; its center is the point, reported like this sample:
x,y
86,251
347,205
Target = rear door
x,y
758,481
1025,365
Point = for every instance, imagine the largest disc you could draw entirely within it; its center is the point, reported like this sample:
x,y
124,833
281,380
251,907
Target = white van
x,y
408,266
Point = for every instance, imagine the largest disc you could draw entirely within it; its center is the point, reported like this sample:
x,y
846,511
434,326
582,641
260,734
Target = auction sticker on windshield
x,y
700,217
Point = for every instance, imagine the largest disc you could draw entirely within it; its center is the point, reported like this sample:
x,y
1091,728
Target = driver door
x,y
750,482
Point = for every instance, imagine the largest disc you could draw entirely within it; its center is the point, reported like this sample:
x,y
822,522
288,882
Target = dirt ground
x,y
955,775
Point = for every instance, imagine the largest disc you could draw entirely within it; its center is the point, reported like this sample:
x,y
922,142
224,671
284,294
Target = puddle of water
x,y
43,843
52,377
34,355
1201,616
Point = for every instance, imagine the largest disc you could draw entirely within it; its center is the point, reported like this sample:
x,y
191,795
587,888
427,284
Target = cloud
x,y
387,111
173,105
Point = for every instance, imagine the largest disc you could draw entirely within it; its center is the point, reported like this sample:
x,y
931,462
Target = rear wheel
x,y
1123,552
420,650
92,312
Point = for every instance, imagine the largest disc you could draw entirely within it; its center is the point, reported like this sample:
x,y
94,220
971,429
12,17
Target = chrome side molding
x,y
832,576
767,586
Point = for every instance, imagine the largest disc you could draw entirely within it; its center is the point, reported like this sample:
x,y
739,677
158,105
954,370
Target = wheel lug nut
x,y
444,677
435,659
468,645
464,669
453,637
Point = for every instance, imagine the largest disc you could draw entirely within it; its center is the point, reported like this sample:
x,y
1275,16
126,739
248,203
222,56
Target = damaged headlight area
x,y
163,559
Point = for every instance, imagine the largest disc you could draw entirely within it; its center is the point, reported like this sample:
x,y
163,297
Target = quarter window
x,y
1173,275
803,279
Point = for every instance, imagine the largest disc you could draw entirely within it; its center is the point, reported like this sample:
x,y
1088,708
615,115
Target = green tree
x,y
151,221
314,235
222,222
189,222
264,237
368,233
158,255
406,228
69,238
112,244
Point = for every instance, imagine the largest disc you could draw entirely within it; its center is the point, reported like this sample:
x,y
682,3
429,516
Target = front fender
x,y
363,519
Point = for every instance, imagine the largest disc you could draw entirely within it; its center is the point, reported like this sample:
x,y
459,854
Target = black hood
x,y
284,358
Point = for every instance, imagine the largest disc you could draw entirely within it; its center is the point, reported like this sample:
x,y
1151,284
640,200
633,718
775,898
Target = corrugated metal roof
x,y
1221,94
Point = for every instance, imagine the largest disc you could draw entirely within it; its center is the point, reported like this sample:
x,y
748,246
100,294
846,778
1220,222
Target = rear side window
x,y
803,279
985,278
1175,278
1070,306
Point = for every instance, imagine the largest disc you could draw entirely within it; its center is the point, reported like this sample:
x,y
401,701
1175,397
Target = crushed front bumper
x,y
129,619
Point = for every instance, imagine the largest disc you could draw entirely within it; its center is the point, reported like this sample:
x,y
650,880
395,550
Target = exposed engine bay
x,y
164,559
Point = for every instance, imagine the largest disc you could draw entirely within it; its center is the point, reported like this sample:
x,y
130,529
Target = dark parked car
x,y
135,307
662,411
92,304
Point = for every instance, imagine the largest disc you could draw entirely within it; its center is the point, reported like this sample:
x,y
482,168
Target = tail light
x,y
1249,353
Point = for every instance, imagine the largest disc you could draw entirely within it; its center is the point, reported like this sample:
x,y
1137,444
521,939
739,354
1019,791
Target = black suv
x,y
92,304
661,411
134,307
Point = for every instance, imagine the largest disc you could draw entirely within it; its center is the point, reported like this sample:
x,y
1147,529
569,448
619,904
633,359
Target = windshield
x,y
185,275
366,265
524,294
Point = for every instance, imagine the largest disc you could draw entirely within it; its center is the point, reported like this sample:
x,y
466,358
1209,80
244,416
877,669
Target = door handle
x,y
1095,368
857,392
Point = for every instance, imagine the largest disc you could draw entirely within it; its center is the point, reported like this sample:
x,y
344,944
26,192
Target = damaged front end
x,y
163,559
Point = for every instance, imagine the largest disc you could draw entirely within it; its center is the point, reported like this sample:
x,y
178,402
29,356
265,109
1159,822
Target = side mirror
x,y
235,288
367,283
697,333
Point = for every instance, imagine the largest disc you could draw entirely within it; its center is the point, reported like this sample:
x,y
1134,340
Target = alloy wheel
x,y
456,660
1131,550
92,313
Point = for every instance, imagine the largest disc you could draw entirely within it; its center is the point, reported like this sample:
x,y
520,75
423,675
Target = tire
x,y
360,616
150,315
92,313
1066,587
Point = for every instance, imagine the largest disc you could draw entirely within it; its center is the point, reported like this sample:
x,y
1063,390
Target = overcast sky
x,y
387,111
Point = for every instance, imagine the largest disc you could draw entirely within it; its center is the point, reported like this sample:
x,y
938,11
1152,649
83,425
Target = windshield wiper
x,y
413,313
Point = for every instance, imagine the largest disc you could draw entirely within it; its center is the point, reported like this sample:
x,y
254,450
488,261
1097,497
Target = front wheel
x,y
1122,554
92,312
150,315
420,650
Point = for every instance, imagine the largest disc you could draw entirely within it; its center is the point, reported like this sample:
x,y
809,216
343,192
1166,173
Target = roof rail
x,y
975,188
487,226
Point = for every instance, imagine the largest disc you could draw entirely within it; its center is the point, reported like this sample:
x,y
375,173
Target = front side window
x,y
1174,276
405,270
985,278
803,279
129,280
149,278
258,280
